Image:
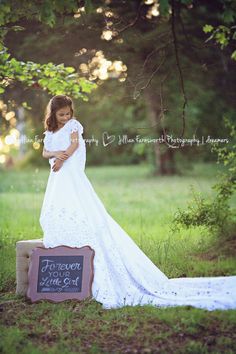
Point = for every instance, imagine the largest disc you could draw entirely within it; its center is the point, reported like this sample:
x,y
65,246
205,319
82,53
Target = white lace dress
x,y
72,214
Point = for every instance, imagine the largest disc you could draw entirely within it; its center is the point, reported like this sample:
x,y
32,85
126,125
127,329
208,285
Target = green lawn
x,y
144,206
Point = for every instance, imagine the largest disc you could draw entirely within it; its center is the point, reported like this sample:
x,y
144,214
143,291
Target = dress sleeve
x,y
76,126
47,140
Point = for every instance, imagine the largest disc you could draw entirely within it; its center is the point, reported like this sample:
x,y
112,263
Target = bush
x,y
216,214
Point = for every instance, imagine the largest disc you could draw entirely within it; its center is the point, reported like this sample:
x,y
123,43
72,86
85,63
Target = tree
x,y
161,44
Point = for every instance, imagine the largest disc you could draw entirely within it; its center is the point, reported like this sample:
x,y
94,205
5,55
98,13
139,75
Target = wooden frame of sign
x,y
60,273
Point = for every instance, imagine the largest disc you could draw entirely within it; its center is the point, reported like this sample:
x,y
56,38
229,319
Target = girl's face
x,y
63,115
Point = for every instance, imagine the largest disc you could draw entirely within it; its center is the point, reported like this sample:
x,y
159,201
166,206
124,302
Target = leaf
x,y
233,55
25,105
208,28
70,69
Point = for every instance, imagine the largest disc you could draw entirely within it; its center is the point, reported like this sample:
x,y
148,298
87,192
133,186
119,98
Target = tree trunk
x,y
164,155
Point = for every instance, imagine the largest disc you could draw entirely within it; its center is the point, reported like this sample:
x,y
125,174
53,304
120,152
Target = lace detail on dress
x,y
65,227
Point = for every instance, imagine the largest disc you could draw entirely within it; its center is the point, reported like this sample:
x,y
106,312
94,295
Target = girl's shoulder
x,y
74,125
71,126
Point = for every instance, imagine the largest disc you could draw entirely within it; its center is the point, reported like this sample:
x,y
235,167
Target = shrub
x,y
216,213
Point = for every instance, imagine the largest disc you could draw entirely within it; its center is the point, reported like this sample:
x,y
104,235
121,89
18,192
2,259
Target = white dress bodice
x,y
60,140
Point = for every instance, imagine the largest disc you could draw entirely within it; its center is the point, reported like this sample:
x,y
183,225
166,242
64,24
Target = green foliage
x,y
233,55
202,212
224,34
215,214
227,184
57,79
44,11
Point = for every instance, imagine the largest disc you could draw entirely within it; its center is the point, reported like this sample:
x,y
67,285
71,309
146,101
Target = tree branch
x,y
178,64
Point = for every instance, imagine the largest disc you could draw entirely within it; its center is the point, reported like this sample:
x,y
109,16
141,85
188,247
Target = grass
x,y
73,327
143,205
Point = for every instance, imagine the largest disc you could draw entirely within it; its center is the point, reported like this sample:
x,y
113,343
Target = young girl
x,y
73,215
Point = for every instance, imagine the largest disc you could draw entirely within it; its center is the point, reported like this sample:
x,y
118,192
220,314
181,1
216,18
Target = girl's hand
x,y
57,165
61,155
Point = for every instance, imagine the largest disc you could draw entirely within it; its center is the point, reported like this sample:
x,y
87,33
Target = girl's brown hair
x,y
56,102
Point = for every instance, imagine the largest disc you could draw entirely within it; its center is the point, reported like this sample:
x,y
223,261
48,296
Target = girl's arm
x,y
49,154
74,144
62,154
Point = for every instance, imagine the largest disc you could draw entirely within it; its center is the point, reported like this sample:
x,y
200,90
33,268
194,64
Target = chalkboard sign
x,y
60,273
